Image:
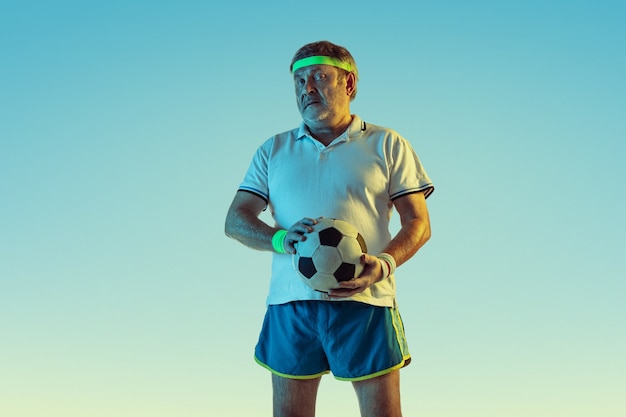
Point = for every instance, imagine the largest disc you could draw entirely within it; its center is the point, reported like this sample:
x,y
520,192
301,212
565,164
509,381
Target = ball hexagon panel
x,y
350,249
327,259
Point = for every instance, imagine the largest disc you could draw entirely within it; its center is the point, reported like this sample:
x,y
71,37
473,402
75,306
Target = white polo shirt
x,y
355,178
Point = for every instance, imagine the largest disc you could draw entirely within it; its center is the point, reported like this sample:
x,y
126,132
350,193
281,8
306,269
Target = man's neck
x,y
327,134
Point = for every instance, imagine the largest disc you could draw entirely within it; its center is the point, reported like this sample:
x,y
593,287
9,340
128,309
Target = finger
x,y
301,227
295,237
351,284
368,259
308,221
342,293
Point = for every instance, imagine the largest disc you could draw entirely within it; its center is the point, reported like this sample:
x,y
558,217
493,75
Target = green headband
x,y
316,60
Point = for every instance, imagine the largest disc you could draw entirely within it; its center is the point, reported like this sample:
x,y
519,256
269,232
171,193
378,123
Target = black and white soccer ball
x,y
331,253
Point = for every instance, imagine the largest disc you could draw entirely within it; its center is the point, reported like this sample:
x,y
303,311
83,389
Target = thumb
x,y
366,258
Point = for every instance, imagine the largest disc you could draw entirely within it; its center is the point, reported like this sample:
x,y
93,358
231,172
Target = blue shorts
x,y
354,341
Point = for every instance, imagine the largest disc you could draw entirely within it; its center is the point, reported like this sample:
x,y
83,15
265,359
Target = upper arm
x,y
412,207
247,201
415,227
244,207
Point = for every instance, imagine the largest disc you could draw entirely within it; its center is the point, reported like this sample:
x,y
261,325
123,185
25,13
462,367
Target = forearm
x,y
248,229
244,225
412,236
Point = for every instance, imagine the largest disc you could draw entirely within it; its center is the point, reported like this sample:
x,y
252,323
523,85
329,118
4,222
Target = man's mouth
x,y
309,102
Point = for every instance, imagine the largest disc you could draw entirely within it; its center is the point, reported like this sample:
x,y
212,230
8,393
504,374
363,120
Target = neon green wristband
x,y
278,241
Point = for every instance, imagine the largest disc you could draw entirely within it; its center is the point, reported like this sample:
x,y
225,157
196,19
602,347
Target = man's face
x,y
322,95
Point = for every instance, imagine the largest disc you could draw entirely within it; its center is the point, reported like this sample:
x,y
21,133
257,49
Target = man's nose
x,y
309,85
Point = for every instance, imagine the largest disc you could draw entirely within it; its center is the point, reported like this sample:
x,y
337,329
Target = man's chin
x,y
314,116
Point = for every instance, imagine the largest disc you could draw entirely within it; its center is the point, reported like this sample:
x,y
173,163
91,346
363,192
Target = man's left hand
x,y
372,273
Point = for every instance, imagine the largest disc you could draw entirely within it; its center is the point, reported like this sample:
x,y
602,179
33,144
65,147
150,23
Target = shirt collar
x,y
356,127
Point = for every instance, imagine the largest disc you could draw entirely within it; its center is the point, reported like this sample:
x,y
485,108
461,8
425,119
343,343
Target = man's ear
x,y
350,83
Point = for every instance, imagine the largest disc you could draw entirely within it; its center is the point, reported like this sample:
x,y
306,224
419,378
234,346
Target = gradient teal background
x,y
126,127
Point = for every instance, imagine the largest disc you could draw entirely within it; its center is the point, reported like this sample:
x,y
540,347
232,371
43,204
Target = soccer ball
x,y
331,253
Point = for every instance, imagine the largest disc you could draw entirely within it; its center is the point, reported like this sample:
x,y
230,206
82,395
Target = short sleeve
x,y
407,174
256,179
